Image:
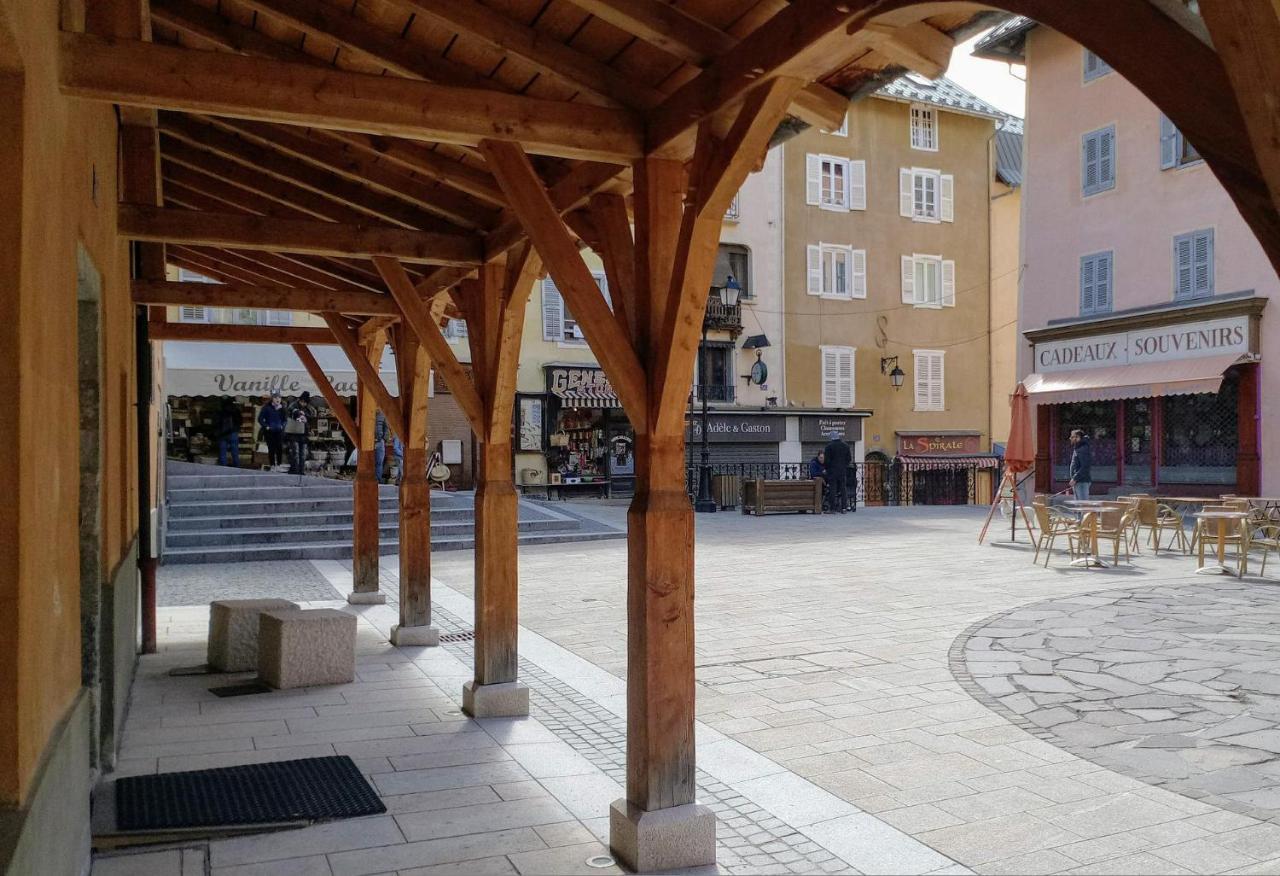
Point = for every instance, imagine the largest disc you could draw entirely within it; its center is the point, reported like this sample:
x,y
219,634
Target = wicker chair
x,y
1267,538
1118,526
1208,530
1159,519
1052,526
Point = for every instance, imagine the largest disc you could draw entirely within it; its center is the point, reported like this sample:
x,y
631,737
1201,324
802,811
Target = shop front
x,y
941,467
1168,397
579,427
198,377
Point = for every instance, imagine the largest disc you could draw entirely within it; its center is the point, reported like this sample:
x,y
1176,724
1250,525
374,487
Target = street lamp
x,y
728,297
896,375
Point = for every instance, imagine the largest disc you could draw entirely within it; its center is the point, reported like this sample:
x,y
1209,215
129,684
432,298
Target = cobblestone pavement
x,y
1177,686
295,580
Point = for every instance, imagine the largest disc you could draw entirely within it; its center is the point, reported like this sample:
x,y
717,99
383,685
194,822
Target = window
x,y
279,317
1096,279
733,260
1098,161
836,271
924,128
1193,265
185,276
929,378
926,195
843,130
193,313
715,372
734,213
455,329
1094,66
557,323
1175,151
834,183
928,281
837,377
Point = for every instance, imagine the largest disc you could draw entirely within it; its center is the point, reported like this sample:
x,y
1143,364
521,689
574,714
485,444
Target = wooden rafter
x,y
206,27
249,334
617,251
146,74
337,405
367,372
312,299
294,235
419,159
919,46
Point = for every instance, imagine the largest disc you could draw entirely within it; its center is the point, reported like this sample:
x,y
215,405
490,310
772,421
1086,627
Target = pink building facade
x,y
1143,298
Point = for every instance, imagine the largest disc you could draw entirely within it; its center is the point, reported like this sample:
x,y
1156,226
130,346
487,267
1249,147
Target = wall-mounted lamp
x,y
889,365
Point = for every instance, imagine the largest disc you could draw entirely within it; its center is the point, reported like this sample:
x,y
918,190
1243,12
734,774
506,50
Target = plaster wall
x,y
1138,219
1006,209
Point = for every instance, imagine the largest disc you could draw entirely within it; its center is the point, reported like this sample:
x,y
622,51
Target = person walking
x,y
271,423
838,459
1081,472
382,436
228,432
297,425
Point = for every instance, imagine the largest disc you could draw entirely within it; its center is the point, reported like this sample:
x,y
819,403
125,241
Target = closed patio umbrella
x,y
1019,456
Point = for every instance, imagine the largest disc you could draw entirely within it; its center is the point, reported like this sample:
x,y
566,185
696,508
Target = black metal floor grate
x,y
464,636
311,788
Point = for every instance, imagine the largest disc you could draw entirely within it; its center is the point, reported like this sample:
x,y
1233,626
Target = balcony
x,y
722,317
715,392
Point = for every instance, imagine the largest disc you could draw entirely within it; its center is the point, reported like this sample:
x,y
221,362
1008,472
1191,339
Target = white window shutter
x,y
908,280
1168,143
844,379
847,182
812,179
936,393
603,283
921,381
814,254
193,313
857,185
948,283
906,195
552,312
948,197
830,379
859,273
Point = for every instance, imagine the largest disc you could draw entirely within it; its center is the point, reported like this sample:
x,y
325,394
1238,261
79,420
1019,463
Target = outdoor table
x,y
1220,568
1089,509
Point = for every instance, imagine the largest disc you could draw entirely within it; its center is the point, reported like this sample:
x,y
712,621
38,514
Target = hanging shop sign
x,y
581,386
738,428
1188,340
254,382
819,428
939,445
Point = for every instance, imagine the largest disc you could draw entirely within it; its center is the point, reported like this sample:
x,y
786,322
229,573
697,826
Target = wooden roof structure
x,y
387,162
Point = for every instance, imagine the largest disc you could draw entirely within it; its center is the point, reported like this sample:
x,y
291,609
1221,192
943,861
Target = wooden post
x,y
1248,462
364,562
415,498
1044,444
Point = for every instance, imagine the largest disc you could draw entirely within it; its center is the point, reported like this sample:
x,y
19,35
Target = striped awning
x,y
595,396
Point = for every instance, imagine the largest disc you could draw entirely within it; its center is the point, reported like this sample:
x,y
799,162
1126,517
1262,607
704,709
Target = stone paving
x,y
295,580
827,703
1178,686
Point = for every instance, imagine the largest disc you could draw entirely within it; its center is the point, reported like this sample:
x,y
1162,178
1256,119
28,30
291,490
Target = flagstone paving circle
x,y
1178,685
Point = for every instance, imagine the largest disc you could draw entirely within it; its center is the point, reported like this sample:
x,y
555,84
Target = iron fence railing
x,y
899,482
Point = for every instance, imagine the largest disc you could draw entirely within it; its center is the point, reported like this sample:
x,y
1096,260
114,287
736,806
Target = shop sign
x,y
1189,340
571,380
939,445
820,428
202,382
739,429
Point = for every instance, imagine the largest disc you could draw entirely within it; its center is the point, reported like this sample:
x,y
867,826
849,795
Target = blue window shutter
x,y
1183,285
1089,164
1107,159
1086,285
1168,143
1203,255
1103,278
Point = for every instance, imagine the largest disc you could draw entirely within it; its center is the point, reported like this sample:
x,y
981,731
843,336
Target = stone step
x,y
296,534
283,506
340,550
261,493
252,520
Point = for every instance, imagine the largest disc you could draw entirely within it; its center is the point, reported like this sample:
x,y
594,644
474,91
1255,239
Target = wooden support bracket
x,y
336,405
367,372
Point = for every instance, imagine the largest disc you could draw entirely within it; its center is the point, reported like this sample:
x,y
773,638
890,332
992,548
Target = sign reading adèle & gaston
x,y
1161,344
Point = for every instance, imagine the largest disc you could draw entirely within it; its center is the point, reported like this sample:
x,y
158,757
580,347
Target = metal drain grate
x,y
464,636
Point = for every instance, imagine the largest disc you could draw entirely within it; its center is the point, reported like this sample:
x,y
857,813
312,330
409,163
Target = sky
x,y
990,80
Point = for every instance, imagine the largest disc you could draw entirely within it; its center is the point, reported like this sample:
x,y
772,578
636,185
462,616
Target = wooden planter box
x,y
778,497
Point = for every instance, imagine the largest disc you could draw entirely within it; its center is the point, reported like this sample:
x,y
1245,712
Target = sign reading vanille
x,y
1188,340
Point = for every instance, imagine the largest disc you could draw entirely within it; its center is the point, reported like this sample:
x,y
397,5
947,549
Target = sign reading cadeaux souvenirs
x,y
1188,340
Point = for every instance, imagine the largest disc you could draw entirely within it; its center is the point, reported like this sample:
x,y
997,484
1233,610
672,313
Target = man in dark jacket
x,y
818,472
1081,464
227,431
838,458
298,424
271,421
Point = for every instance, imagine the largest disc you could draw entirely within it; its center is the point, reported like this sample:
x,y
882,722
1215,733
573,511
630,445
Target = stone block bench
x,y
233,632
300,648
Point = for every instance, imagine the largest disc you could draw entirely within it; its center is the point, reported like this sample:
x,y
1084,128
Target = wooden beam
x,y
541,220
242,231
567,194
919,47
617,251
367,372
145,74
207,27
691,39
239,334
366,517
337,405
563,62
311,299
422,160
415,313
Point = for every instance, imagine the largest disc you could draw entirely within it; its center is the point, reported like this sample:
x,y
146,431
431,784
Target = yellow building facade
x,y
1006,271
887,264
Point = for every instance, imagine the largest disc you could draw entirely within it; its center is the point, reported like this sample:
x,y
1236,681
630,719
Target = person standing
x,y
228,432
297,425
1081,473
271,423
381,436
838,459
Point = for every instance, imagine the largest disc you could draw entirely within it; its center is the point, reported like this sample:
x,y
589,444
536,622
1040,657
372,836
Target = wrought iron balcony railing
x,y
723,317
715,392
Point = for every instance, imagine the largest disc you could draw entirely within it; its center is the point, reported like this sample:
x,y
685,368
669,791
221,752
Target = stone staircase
x,y
226,515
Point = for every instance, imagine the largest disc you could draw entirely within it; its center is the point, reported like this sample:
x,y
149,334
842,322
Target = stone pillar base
x,y
375,597
508,700
664,839
423,636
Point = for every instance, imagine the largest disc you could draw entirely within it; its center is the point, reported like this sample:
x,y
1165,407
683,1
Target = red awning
x,y
1148,380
